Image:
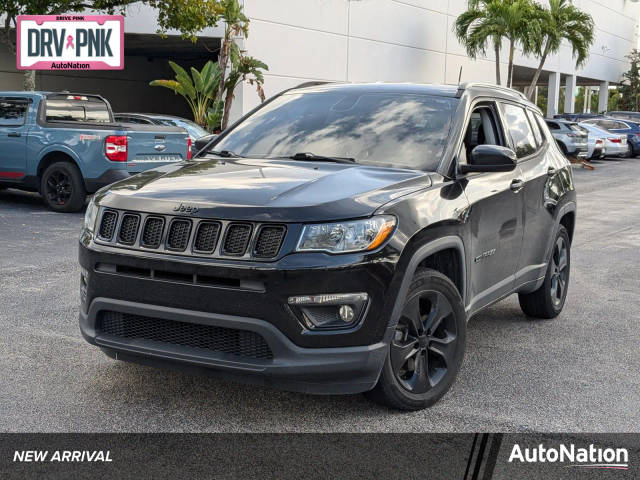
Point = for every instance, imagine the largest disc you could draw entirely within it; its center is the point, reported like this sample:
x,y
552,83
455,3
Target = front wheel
x,y
427,348
62,187
548,301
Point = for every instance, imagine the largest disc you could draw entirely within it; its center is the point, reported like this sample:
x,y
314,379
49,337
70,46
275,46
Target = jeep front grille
x,y
242,343
206,237
129,229
177,235
108,224
269,241
236,239
152,232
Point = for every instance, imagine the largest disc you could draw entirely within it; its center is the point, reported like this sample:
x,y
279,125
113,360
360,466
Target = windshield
x,y
383,129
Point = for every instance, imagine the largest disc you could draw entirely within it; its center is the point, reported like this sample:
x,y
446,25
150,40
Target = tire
x,y
417,347
62,187
548,301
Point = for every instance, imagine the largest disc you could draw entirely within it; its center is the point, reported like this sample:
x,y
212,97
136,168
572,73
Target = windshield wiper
x,y
226,154
319,158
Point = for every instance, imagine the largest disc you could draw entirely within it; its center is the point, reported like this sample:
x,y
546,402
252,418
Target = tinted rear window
x,y
76,108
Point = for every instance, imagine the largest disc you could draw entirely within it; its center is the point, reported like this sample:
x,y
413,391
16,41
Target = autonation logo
x,y
590,457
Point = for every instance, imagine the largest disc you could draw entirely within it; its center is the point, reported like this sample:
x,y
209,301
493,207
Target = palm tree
x,y
493,20
561,21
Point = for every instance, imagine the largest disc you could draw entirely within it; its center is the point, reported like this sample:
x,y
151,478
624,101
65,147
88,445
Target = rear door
x,y
13,137
539,170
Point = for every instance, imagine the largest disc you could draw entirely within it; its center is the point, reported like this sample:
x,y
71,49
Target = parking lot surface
x,y
578,373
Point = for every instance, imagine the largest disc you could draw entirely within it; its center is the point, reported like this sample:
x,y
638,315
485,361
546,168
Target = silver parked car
x,y
615,145
571,137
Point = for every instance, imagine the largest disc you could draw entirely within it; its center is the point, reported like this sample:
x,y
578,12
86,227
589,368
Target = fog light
x,y
329,311
347,313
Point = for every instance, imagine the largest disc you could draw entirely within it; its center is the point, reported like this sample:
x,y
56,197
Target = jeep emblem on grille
x,y
182,208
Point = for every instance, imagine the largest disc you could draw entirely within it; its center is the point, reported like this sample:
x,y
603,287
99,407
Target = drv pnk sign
x,y
70,42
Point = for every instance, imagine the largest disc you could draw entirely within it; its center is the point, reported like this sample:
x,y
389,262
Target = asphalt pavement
x,y
577,373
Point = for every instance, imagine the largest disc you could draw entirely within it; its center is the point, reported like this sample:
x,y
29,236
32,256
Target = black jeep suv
x,y
335,240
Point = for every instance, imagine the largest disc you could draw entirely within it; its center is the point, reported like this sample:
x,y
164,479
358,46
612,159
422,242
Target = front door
x,y
13,138
495,216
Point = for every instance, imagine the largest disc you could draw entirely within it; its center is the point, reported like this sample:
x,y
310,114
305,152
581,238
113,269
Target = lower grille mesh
x,y
225,340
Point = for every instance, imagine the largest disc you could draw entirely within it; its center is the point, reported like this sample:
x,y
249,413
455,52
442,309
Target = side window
x,y
482,129
522,138
535,127
544,128
621,126
13,112
553,126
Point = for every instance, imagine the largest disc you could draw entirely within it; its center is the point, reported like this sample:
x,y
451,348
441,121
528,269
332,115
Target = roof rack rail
x,y
312,83
463,86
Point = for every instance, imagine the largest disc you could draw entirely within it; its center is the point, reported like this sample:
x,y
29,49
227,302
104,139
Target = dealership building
x,y
344,40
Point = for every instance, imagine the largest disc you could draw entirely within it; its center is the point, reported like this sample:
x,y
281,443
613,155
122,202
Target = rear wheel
x,y
62,187
548,300
427,348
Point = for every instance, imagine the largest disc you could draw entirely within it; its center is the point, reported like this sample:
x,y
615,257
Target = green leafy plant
x,y
491,21
198,89
551,25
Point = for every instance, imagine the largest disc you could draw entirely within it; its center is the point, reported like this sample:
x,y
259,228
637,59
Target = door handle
x,y
517,185
551,171
14,134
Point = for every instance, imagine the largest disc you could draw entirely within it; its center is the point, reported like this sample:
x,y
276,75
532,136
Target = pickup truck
x,y
68,145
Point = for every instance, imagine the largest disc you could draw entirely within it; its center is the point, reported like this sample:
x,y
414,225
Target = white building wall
x,y
405,41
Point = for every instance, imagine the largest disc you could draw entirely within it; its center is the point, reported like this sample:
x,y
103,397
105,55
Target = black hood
x,y
248,189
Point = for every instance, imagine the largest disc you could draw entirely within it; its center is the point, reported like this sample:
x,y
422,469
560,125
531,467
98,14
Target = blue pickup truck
x,y
67,145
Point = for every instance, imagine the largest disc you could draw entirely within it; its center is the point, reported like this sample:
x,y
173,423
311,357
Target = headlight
x,y
90,216
343,237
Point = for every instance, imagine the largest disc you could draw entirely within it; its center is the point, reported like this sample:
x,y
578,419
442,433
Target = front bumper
x,y
249,297
310,370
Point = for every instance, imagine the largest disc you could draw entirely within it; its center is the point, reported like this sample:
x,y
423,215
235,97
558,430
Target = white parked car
x,y
615,145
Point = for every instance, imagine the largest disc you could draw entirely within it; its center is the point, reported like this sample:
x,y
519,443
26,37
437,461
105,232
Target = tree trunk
x,y
536,76
510,70
223,59
29,80
496,46
228,101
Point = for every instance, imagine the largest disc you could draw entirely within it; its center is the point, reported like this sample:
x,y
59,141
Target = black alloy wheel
x,y
549,299
427,346
559,271
58,188
423,346
62,187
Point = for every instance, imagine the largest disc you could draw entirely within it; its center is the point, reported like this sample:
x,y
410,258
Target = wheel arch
x,y
431,255
52,157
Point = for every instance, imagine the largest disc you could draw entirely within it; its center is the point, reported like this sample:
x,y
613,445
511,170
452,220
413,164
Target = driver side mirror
x,y
490,158
204,141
